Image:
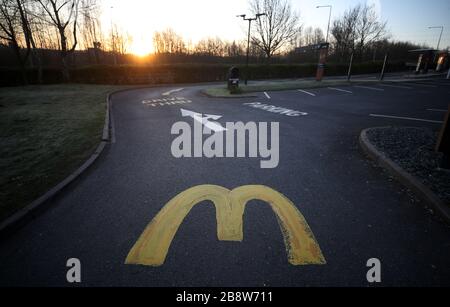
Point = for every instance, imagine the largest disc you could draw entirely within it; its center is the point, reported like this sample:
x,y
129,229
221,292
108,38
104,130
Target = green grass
x,y
224,92
46,132
278,86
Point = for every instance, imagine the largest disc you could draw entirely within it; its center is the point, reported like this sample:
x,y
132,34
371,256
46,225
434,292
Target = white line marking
x,y
437,110
340,90
309,93
397,86
172,91
267,95
424,85
408,118
370,88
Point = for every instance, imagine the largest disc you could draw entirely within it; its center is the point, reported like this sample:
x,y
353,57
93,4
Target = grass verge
x,y
245,90
46,132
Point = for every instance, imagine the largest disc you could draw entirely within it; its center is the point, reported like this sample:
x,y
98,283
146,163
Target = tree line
x,y
29,27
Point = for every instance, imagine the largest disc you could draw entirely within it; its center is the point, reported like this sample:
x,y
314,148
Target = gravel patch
x,y
413,150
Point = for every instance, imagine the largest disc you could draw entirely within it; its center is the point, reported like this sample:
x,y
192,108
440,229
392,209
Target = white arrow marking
x,y
204,120
172,91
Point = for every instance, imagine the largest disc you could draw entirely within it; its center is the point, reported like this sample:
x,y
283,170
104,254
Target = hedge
x,y
187,73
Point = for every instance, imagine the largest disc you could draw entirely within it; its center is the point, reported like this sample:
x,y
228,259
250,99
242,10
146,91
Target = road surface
x,y
355,211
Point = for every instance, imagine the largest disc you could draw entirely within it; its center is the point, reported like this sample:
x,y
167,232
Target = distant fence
x,y
186,73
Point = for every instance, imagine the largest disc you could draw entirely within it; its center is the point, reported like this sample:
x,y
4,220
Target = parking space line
x,y
370,88
267,95
397,86
437,110
408,118
340,90
424,85
306,92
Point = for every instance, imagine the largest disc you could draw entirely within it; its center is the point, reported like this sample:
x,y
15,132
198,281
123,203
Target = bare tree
x,y
90,27
63,15
369,28
168,41
211,47
312,36
359,28
119,42
344,32
235,49
277,29
16,32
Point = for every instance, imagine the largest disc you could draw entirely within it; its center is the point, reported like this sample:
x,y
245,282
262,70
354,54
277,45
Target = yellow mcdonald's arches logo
x,y
153,245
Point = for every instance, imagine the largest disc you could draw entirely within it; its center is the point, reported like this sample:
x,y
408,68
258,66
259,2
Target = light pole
x,y
440,36
248,39
113,40
329,18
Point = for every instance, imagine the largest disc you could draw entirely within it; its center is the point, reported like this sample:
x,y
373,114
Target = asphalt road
x,y
354,209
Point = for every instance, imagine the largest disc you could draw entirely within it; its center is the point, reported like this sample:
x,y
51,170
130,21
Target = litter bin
x,y
233,78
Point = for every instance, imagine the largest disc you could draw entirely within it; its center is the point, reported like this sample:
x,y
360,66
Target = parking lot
x,y
354,210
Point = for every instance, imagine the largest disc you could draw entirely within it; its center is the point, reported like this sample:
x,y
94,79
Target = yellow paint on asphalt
x,y
153,245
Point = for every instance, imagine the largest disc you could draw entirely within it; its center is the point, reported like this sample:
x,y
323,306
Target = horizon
x,y
195,24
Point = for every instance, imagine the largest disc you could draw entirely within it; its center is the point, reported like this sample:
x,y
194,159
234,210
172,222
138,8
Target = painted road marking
x,y
397,86
153,245
165,101
172,91
437,110
370,88
306,92
424,85
340,90
275,109
204,120
408,118
267,95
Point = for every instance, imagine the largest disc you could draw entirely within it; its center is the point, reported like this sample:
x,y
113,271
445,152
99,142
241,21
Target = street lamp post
x,y
440,36
329,18
248,39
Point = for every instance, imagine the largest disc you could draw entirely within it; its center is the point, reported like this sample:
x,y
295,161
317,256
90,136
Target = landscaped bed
x,y
413,150
46,132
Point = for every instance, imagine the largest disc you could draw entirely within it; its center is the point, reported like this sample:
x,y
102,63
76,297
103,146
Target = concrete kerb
x,y
404,177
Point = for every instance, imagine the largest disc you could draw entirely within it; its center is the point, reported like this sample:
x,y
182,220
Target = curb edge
x,y
30,211
404,177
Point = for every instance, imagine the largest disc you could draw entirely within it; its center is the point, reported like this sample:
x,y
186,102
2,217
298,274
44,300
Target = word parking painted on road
x,y
160,102
275,109
153,245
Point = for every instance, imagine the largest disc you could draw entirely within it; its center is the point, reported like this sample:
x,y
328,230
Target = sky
x,y
196,19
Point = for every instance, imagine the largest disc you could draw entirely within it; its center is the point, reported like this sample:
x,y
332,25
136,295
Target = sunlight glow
x,y
194,19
